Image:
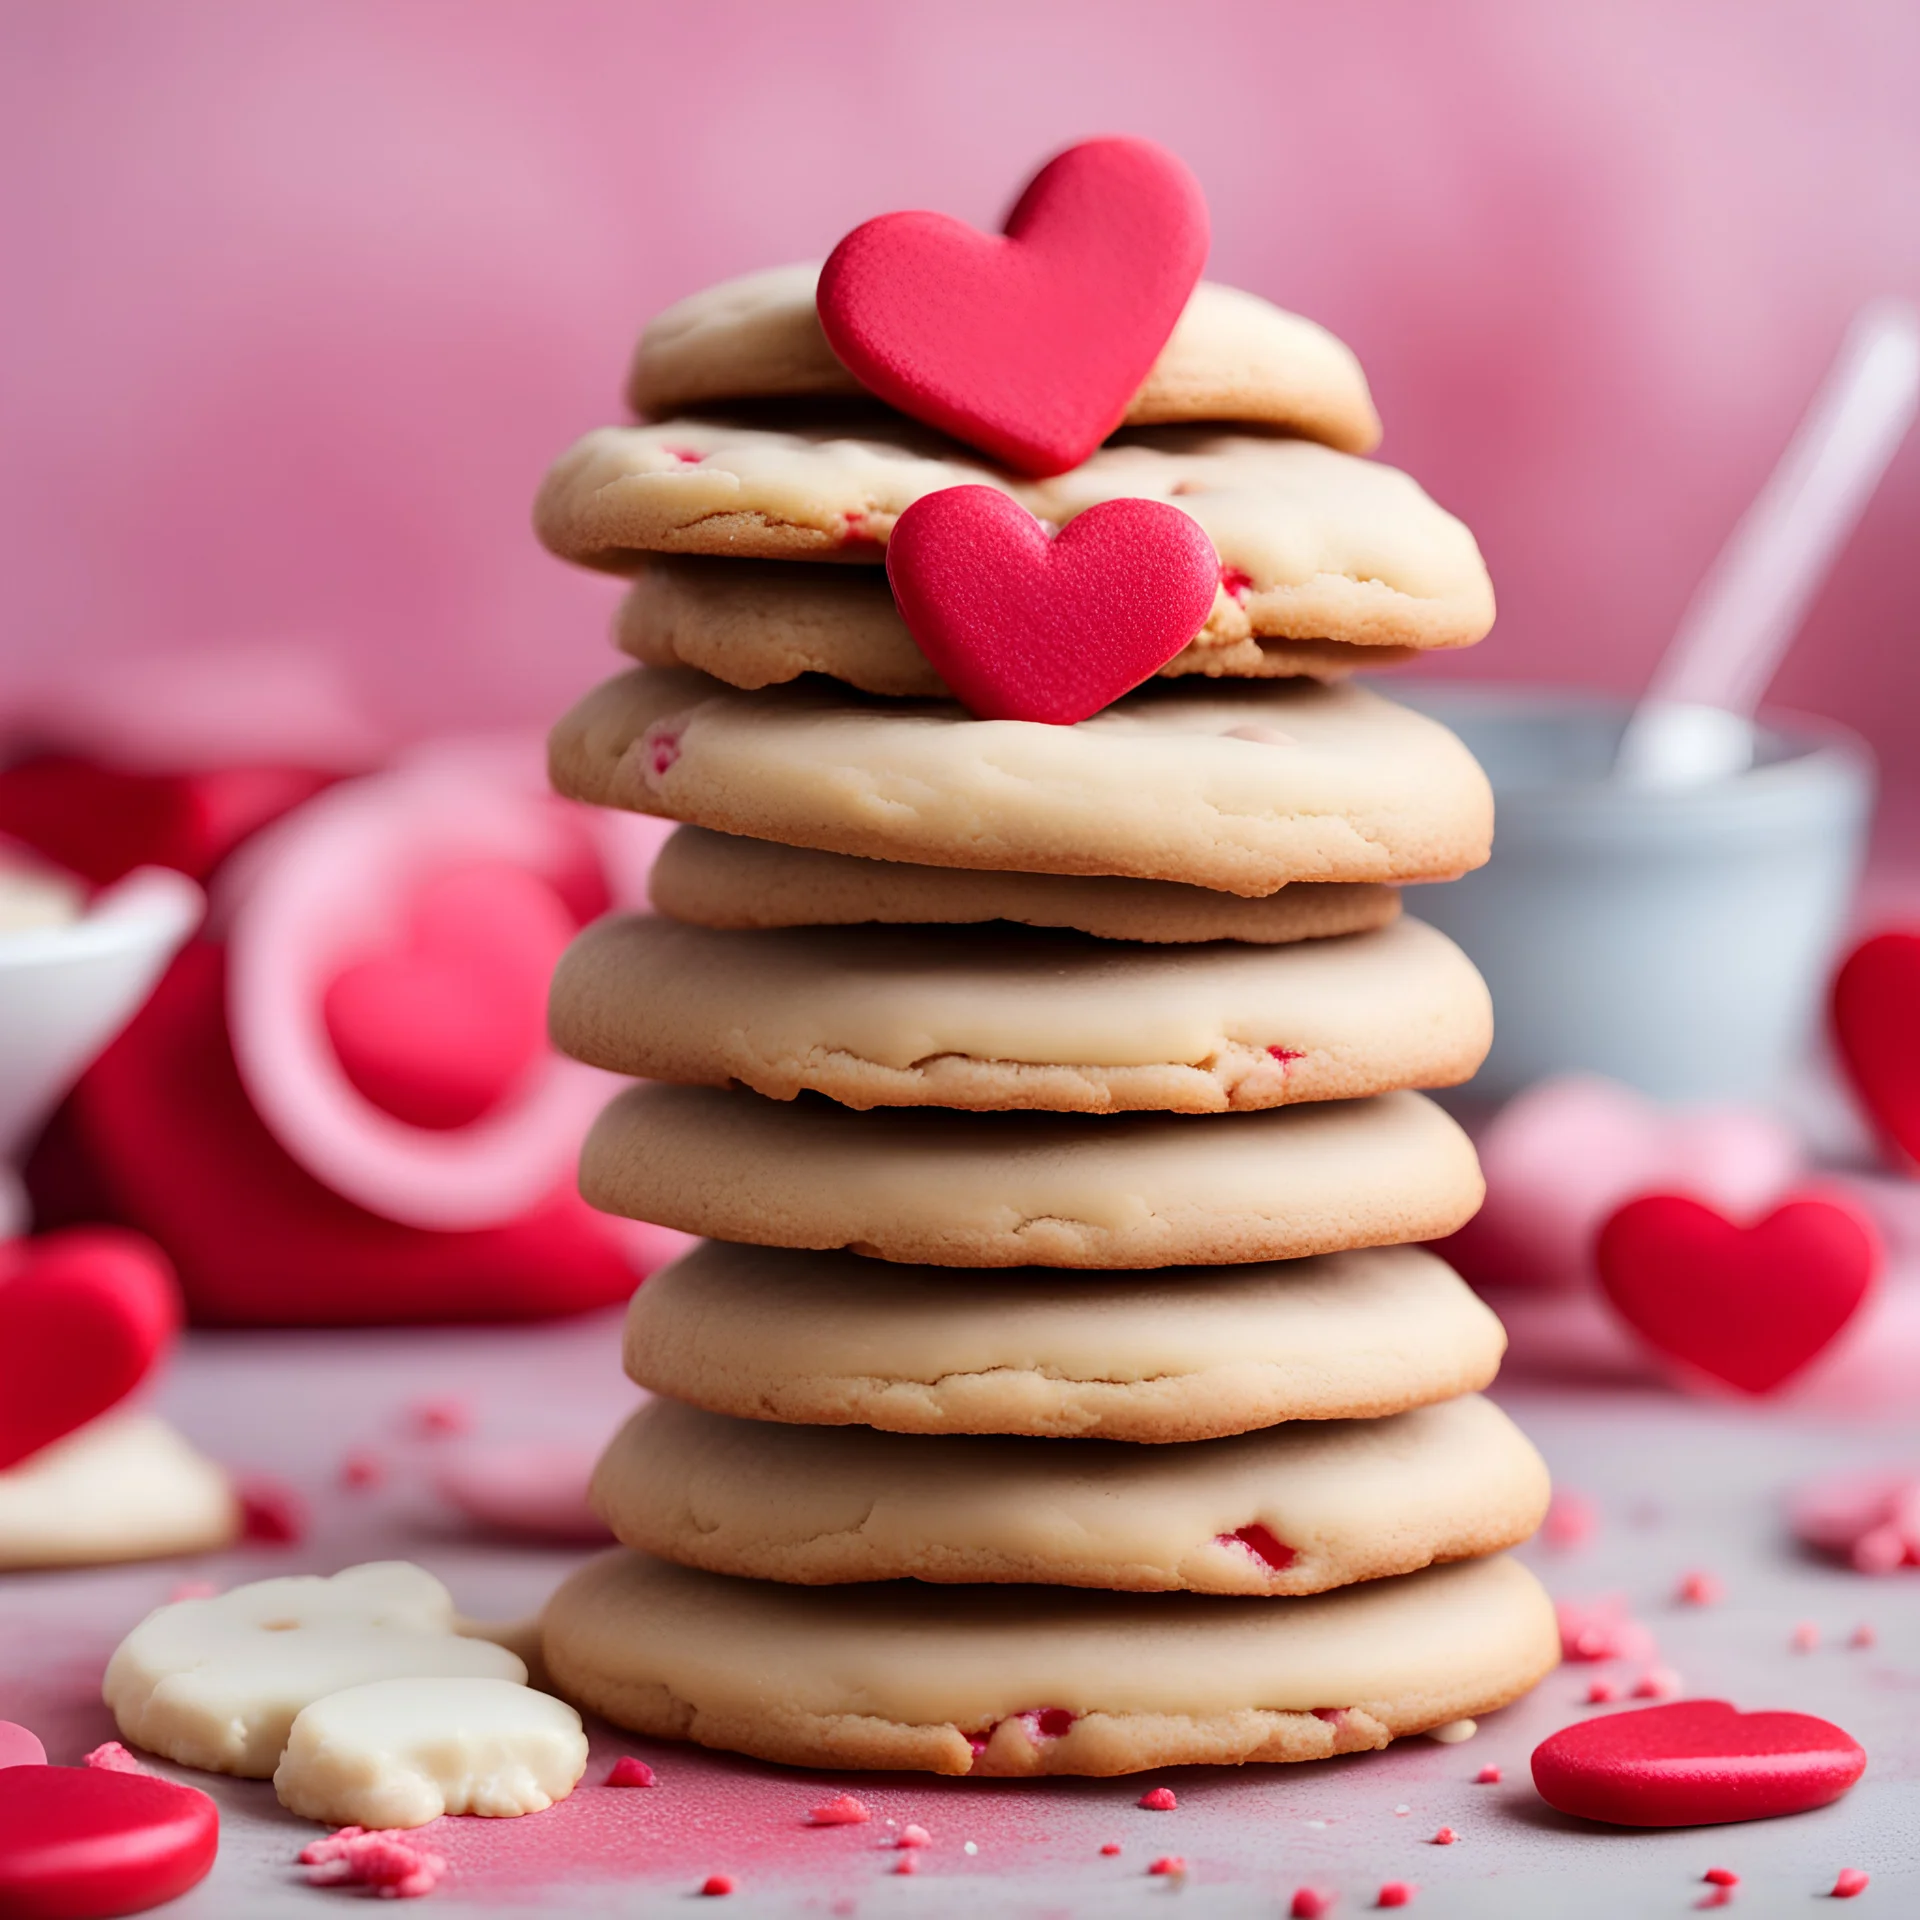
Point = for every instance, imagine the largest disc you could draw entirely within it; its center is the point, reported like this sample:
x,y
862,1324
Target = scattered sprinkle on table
x,y
1396,1893
1850,1883
1158,1800
1309,1903
1168,1865
717,1883
1721,1877
1701,1590
1488,1776
628,1771
846,1811
1806,1636
1445,1837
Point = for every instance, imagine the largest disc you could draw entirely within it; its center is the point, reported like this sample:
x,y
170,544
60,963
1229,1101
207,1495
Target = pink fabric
x,y
306,298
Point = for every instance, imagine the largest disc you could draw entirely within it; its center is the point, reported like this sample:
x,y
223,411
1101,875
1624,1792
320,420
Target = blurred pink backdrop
x,y
303,296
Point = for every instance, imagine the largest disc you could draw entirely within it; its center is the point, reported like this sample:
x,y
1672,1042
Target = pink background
x,y
303,297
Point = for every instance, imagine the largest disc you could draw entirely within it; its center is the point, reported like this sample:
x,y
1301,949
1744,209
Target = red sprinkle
x,y
1158,1800
113,1758
271,1513
1863,1635
717,1883
1286,1056
1396,1893
437,1419
907,1863
1721,1877
1445,1837
844,1812
1111,1848
629,1772
1851,1881
1168,1863
362,1469
1600,1692
1701,1590
1488,1776
1309,1903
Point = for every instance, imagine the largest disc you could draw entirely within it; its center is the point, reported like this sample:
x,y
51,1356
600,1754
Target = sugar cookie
x,y
712,879
1032,1680
1313,544
753,626
1176,1354
1294,1509
1231,356
1242,791
398,1753
1000,1017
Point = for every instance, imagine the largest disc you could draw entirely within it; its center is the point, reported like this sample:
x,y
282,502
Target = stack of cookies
x,y
1060,1388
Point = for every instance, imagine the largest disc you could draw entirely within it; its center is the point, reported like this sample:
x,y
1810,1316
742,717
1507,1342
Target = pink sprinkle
x,y
437,1419
1572,1519
1111,1848
687,456
1396,1893
1657,1683
1849,1883
717,1883
907,1863
193,1590
271,1513
1237,581
1806,1636
1863,1635
1167,1863
1701,1590
844,1812
1601,1692
1445,1837
113,1758
914,1837
1309,1903
1601,1629
1721,1877
1158,1800
362,1469
629,1772
388,1861
1488,1776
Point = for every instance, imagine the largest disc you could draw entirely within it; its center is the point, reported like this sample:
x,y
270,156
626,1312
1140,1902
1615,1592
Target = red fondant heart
x,y
1695,1763
441,1031
83,1316
1028,346
84,1843
1026,628
1749,1305
1876,1019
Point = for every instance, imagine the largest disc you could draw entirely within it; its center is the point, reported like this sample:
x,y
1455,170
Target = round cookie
x,y
123,1487
1313,544
994,1018
1240,790
1180,1354
1034,1189
755,626
1295,1509
721,880
1039,1680
1231,356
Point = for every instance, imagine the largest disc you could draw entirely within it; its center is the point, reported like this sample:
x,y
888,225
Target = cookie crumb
x,y
1395,1893
630,1772
1158,1800
970,1846
846,1811
1445,1837
1701,1590
1488,1776
1171,1865
1453,1732
716,1884
1309,1903
1806,1636
1721,1877
1849,1883
113,1758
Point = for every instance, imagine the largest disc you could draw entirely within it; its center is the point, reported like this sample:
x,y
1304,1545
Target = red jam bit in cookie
x,y
661,746
1286,1056
1331,1715
1236,581
1048,1723
1258,1540
687,456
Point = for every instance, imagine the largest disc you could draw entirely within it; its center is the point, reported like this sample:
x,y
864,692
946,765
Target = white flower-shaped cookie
x,y
217,1683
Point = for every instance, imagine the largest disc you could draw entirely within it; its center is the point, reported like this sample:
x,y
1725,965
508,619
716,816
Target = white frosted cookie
x,y
1034,1189
1037,1680
721,880
988,1018
217,1683
123,1487
1231,356
1295,1509
754,626
1241,790
1313,544
1177,1354
398,1753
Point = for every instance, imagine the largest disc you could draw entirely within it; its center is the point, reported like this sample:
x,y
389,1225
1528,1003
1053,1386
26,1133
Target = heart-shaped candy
x,y
1749,1305
1029,345
1876,1019
440,1031
1695,1763
83,1317
83,1843
1026,628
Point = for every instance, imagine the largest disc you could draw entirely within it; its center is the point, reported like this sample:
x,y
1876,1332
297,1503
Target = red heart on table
x,y
1695,1763
1028,345
1026,628
1749,1305
441,1030
83,1317
1876,1019
84,1843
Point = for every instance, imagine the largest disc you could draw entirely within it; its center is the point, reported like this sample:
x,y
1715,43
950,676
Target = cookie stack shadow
x,y
1061,1386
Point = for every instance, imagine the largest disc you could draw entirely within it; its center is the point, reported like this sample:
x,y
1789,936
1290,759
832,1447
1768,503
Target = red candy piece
x,y
83,1843
1748,1305
444,1028
1026,628
1158,1800
1029,346
1695,1763
83,1317
630,1772
1876,1020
